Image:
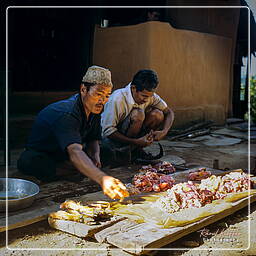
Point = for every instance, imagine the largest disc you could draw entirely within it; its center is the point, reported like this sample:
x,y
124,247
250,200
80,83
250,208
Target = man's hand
x,y
145,140
158,135
113,188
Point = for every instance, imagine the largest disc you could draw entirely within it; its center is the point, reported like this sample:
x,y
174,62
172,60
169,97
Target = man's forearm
x,y
84,164
117,136
168,119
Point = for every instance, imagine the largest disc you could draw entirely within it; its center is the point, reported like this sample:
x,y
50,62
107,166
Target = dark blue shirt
x,y
61,124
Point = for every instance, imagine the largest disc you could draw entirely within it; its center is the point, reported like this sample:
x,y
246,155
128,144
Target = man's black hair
x,y
145,79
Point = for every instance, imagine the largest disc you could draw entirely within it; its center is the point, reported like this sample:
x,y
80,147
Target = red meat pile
x,y
151,181
221,186
189,194
200,174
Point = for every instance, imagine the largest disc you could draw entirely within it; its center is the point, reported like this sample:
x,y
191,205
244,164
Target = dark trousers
x,y
38,164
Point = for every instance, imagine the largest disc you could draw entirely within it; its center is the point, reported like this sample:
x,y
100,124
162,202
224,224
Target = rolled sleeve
x,y
108,131
158,102
110,117
66,131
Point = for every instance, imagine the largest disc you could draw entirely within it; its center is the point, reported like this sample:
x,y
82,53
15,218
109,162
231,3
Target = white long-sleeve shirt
x,y
120,104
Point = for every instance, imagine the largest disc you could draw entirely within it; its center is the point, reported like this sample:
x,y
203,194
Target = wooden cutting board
x,y
138,238
84,230
81,229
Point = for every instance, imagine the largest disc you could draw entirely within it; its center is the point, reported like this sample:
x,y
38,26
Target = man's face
x,y
95,98
141,97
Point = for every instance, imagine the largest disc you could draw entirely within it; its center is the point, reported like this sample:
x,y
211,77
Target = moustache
x,y
99,105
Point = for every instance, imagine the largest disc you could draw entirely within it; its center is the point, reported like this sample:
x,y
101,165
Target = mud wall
x,y
193,67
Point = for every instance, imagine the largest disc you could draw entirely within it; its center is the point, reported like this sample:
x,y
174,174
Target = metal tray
x,y
20,194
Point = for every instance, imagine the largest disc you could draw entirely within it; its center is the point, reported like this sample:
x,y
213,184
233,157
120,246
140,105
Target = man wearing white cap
x,y
70,130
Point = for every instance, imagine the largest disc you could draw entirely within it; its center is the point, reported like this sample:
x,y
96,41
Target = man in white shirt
x,y
135,116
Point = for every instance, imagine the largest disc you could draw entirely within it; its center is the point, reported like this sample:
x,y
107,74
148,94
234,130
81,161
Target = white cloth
x,y
120,104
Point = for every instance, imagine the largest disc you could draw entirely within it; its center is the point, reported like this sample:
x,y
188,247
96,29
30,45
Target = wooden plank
x,y
81,229
205,222
135,238
27,217
132,237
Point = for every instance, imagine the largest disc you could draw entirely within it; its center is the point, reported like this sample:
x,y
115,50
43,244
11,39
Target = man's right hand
x,y
113,188
145,140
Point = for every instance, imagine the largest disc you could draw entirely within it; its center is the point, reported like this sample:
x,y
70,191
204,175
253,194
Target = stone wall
x,y
194,68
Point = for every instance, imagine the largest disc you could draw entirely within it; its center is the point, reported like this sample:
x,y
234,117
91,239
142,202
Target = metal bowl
x,y
20,194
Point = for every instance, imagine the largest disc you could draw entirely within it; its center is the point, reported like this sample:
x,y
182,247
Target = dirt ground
x,y
233,231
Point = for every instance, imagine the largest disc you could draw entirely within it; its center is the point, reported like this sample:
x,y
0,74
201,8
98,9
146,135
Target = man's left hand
x,y
158,135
